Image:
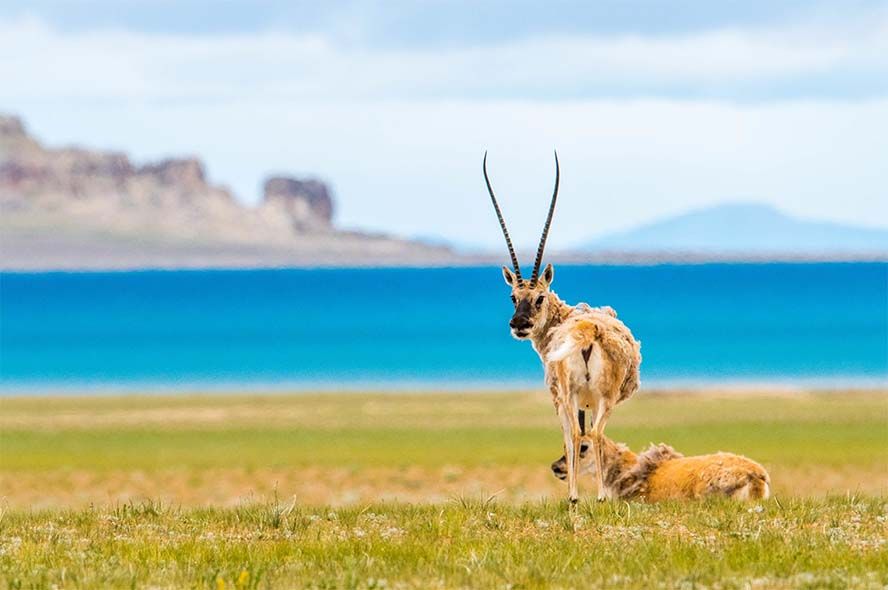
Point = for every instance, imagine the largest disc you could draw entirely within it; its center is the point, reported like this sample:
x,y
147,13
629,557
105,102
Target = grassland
x,y
426,490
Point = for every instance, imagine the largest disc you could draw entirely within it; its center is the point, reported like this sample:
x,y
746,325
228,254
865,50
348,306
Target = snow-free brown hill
x,y
80,208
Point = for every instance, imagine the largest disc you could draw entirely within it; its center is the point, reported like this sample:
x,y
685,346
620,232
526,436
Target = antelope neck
x,y
558,311
617,461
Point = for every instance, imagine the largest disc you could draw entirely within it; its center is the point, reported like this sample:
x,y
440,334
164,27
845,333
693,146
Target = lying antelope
x,y
589,357
661,473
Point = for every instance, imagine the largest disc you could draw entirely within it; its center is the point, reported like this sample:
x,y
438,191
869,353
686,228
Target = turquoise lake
x,y
819,324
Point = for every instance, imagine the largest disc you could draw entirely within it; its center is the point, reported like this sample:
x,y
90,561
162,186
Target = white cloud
x,y
109,65
401,134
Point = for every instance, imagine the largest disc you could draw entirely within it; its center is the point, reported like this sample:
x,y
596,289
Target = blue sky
x,y
655,107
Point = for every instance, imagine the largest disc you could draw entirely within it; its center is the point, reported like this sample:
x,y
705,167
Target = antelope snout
x,y
520,323
521,326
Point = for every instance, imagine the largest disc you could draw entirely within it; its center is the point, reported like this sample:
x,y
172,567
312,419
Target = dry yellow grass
x,y
333,486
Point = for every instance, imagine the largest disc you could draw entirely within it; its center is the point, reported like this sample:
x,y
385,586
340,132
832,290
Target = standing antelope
x,y
589,357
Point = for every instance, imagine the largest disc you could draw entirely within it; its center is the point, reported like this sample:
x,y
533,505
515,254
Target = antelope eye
x,y
540,300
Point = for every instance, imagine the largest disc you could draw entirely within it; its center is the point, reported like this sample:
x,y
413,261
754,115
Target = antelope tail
x,y
759,486
582,337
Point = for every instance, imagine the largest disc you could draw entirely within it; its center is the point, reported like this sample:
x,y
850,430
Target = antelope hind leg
x,y
568,409
571,451
601,417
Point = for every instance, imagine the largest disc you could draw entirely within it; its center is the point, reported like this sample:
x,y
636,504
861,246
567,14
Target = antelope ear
x,y
509,277
548,275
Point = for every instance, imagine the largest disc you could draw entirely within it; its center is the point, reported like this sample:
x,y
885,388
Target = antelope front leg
x,y
598,425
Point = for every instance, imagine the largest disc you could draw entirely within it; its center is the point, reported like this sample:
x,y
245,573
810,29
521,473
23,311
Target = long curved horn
x,y
502,222
542,246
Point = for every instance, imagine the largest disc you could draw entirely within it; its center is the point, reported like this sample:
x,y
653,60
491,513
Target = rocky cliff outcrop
x,y
170,198
307,202
11,126
101,198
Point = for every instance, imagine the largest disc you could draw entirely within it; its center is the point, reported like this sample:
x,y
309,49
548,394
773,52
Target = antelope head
x,y
529,296
587,463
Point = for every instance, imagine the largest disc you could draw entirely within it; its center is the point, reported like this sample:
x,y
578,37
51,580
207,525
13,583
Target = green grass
x,y
393,430
287,490
837,444
799,543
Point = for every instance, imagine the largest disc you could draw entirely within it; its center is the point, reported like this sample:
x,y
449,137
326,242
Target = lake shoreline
x,y
234,263
283,391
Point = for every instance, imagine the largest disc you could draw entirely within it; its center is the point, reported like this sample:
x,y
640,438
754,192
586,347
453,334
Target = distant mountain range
x,y
81,208
745,228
